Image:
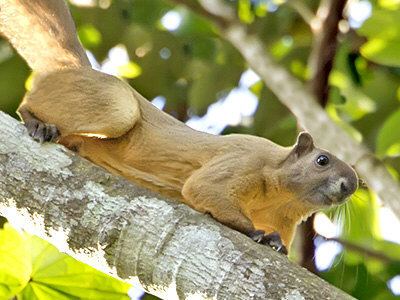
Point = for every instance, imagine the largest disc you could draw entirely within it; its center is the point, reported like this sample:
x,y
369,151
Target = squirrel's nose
x,y
343,188
347,187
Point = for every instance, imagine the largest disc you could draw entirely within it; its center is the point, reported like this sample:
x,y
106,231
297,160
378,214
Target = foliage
x,y
360,274
30,268
192,67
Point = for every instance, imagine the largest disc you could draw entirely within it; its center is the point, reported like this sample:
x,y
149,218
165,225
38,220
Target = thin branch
x,y
325,31
364,250
307,246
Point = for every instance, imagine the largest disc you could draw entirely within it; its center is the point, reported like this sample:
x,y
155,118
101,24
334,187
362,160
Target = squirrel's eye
x,y
322,160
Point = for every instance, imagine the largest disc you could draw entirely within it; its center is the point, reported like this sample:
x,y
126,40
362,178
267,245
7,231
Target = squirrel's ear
x,y
304,144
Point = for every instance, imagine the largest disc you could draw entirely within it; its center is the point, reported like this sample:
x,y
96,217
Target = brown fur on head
x,y
316,175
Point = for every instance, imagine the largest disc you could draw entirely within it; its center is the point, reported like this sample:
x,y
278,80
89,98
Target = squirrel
x,y
246,182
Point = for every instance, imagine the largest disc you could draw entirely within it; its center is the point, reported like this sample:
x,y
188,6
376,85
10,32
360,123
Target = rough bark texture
x,y
293,94
127,231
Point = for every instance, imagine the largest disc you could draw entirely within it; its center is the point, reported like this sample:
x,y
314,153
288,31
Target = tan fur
x,y
243,181
240,180
116,100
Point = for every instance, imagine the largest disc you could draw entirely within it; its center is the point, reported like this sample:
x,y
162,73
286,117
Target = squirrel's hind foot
x,y
42,132
273,240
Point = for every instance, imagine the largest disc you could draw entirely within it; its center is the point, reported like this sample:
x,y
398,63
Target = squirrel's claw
x,y
273,240
42,132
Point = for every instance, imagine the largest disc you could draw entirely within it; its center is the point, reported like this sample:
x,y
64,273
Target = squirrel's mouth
x,y
333,199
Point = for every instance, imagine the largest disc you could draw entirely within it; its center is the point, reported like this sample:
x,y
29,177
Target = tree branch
x,y
127,231
325,31
363,250
293,94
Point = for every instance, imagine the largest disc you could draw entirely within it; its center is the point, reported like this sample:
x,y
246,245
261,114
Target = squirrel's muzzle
x,y
343,187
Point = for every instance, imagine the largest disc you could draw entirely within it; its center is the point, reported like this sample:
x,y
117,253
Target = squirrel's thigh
x,y
82,102
202,193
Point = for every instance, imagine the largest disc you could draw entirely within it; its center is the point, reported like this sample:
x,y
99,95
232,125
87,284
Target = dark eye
x,y
322,160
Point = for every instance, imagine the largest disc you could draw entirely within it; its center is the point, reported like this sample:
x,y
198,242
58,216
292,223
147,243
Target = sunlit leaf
x,y
353,132
282,47
383,51
256,88
357,104
244,11
130,70
15,265
89,35
34,269
383,32
389,135
389,4
299,69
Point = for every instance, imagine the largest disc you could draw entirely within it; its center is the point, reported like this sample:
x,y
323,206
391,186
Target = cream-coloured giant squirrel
x,y
246,182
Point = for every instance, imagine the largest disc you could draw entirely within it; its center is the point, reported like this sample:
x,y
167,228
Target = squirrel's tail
x,y
43,33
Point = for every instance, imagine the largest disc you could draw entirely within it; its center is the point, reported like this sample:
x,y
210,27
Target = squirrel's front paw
x,y
273,240
42,132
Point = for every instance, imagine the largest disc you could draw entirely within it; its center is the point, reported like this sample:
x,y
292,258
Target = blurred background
x,y
178,60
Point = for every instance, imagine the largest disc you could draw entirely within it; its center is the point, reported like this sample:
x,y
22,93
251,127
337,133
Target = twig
x,y
363,250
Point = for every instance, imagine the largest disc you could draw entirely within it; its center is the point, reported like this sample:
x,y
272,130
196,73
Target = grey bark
x,y
311,116
129,232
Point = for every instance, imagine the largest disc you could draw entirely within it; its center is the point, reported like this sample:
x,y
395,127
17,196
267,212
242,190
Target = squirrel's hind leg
x,y
79,102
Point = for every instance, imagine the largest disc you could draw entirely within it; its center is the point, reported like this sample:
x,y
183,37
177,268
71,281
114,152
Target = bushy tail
x,y
43,33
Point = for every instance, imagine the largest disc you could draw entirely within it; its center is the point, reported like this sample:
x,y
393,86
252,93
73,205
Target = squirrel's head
x,y
316,175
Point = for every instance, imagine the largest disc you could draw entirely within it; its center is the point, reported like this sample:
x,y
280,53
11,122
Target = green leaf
x,y
37,291
383,32
282,47
357,103
362,206
33,269
130,70
63,274
89,35
385,52
389,4
389,136
15,265
244,11
13,73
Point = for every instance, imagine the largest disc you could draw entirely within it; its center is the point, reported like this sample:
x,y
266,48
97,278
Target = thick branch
x,y
127,231
293,94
